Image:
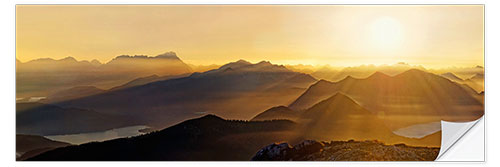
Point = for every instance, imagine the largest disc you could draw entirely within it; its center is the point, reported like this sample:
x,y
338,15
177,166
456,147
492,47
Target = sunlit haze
x,y
432,36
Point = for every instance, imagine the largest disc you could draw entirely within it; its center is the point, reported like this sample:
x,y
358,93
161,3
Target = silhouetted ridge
x,y
206,138
237,64
210,117
322,82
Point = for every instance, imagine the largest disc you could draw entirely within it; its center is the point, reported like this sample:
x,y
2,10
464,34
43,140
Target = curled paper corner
x,y
453,133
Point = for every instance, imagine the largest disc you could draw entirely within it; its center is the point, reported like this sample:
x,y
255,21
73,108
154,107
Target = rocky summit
x,y
370,150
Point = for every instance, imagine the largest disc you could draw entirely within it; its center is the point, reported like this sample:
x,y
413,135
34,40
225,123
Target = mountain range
x,y
282,106
42,77
411,97
163,101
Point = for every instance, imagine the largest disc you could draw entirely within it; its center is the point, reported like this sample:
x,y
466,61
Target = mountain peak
x,y
338,104
322,83
264,63
69,58
241,61
413,71
211,117
42,60
236,64
168,55
378,75
339,96
280,108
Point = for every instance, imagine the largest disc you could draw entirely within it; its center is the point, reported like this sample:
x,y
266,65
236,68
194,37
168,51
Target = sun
x,y
386,33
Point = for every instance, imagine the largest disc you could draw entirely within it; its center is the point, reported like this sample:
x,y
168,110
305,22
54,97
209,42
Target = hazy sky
x,y
433,36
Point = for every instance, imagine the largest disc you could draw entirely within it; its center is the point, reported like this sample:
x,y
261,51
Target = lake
x,y
99,136
419,130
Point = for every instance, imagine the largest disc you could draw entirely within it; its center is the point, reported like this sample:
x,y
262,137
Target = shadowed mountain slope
x,y
31,145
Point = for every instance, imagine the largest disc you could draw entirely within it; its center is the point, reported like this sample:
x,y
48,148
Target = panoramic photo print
x,y
244,82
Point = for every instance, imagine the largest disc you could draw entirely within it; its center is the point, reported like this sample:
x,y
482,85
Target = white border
x,y
7,99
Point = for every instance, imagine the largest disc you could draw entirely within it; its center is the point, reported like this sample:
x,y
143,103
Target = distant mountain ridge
x,y
45,76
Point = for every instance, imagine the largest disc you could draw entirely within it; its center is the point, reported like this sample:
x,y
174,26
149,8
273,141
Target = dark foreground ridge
x,y
206,138
311,150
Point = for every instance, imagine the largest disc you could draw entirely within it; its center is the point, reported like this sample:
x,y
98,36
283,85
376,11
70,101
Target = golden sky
x,y
340,35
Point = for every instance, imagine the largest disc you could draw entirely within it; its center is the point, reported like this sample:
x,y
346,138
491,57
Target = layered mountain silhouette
x,y
142,65
340,118
206,138
42,77
413,93
363,71
222,91
46,119
28,146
